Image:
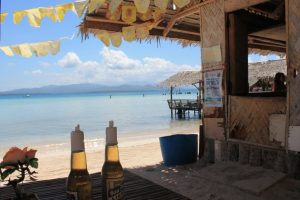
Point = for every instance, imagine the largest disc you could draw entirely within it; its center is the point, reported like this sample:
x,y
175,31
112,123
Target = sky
x,y
87,61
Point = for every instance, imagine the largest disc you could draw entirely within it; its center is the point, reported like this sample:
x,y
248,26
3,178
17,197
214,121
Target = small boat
x,y
27,95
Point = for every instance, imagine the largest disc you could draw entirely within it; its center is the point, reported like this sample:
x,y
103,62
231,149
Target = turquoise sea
x,y
48,119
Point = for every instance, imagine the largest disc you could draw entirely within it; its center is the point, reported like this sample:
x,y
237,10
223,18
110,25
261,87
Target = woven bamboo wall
x,y
249,117
293,19
212,28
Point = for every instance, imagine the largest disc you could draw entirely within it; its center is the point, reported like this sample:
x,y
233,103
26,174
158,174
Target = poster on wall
x,y
213,88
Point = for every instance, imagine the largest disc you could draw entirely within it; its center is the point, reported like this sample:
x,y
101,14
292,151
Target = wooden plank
x,y
186,33
238,62
293,59
233,5
135,187
184,14
212,21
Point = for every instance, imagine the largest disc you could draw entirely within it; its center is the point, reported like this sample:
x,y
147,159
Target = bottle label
x,y
72,195
113,189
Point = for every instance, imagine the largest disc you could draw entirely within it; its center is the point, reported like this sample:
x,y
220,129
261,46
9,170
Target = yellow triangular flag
x,y
142,5
48,12
2,17
114,4
40,49
129,14
18,16
104,37
54,47
142,32
113,16
157,14
95,4
34,17
80,6
161,4
25,50
7,50
145,16
129,33
116,39
62,9
16,49
181,3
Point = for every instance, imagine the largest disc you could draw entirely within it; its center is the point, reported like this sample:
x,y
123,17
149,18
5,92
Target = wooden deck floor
x,y
135,187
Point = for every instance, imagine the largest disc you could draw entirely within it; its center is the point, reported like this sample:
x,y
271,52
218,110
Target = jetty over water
x,y
183,107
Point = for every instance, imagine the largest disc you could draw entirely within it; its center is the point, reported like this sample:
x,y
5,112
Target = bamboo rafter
x,y
185,13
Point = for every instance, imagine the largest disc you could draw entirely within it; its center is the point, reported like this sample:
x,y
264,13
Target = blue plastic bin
x,y
179,149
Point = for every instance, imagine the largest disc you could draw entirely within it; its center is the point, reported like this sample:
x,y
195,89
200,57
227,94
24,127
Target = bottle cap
x,y
77,139
111,134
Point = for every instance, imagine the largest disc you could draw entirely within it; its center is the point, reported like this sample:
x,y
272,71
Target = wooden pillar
x,y
293,77
172,102
212,28
238,59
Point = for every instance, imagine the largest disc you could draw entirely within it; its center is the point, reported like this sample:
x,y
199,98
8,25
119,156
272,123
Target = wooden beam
x,y
233,5
267,40
156,31
238,55
268,48
184,13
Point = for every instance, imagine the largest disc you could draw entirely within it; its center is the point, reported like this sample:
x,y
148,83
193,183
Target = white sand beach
x,y
134,153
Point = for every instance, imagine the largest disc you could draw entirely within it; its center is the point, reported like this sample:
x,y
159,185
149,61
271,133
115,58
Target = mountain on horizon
x,y
80,88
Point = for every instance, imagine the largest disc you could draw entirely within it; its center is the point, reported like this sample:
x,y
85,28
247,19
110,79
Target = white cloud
x,y
33,72
117,68
253,58
45,64
69,60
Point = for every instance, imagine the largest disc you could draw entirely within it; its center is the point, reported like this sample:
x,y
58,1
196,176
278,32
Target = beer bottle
x,y
112,171
79,184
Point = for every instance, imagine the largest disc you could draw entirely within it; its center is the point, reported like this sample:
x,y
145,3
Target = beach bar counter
x,y
260,129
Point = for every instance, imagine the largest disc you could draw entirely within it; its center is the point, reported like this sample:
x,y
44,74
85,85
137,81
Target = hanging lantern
x,y
181,3
129,14
95,4
145,16
114,4
161,4
142,5
116,39
157,14
142,32
115,15
80,6
129,33
104,37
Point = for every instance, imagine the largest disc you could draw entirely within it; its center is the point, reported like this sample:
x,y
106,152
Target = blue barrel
x,y
179,149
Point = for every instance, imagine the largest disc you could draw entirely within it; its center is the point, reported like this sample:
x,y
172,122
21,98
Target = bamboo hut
x,y
263,73
184,78
238,125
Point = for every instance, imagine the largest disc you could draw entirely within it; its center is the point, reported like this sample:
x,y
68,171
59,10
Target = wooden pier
x,y
182,107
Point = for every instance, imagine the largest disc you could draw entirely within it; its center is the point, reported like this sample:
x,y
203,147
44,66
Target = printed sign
x,y
213,88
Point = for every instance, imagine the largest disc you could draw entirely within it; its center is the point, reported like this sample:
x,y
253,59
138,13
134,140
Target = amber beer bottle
x,y
79,184
112,171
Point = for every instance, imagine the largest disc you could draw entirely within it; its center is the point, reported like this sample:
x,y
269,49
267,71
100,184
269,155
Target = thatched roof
x,y
183,78
183,25
267,69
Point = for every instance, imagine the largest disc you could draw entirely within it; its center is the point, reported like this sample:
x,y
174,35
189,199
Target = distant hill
x,y
80,88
